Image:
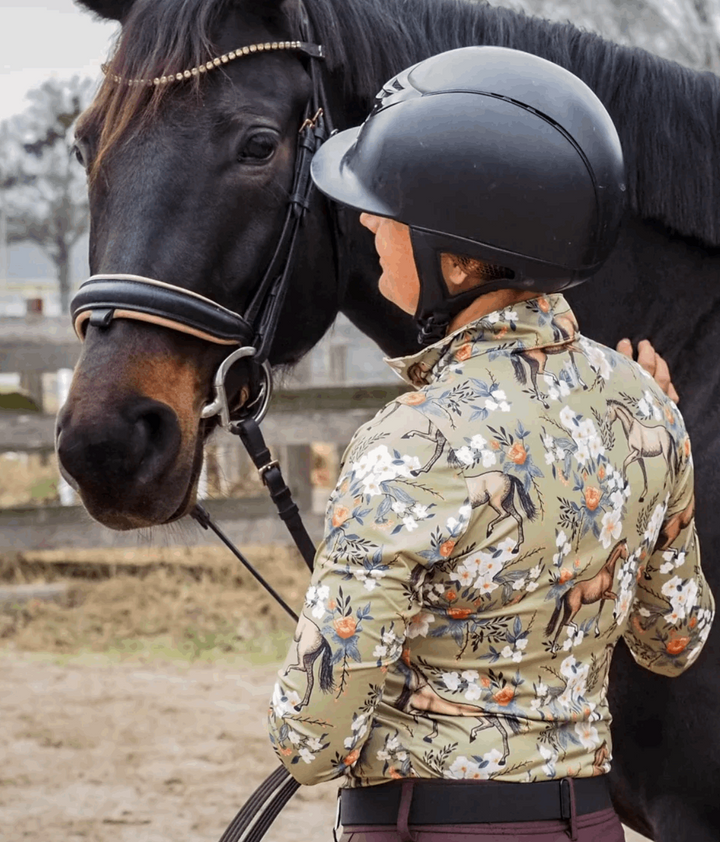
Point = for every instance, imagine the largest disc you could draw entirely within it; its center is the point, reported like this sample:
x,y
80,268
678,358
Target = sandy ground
x,y
129,752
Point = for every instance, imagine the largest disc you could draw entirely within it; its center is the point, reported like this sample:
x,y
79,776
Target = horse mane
x,y
666,114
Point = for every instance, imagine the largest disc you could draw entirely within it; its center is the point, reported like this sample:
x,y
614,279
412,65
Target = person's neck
x,y
489,303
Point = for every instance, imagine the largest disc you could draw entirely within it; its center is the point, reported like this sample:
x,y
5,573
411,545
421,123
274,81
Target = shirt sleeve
x,y
674,608
398,508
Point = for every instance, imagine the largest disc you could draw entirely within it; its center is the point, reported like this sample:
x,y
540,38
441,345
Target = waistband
x,y
474,802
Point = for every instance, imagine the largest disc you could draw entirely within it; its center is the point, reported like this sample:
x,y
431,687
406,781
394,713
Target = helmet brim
x,y
337,181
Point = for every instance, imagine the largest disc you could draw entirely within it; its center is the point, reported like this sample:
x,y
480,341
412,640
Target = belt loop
x,y
568,806
338,828
406,794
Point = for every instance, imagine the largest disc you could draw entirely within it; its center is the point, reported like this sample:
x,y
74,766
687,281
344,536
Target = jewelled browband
x,y
312,50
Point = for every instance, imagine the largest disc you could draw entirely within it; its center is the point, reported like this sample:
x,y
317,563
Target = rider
x,y
496,531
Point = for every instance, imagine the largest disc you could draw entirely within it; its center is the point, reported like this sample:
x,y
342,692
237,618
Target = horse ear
x,y
109,9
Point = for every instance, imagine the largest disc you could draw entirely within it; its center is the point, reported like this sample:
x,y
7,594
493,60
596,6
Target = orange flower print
x,y
669,415
517,453
451,596
686,447
464,352
485,681
565,575
501,331
592,497
676,646
406,657
495,445
459,613
340,515
394,774
332,604
345,627
412,398
505,696
693,622
601,473
351,758
543,304
446,548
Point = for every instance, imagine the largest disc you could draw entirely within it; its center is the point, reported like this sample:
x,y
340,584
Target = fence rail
x,y
297,419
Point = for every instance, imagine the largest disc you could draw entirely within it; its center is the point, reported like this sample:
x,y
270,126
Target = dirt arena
x,y
134,709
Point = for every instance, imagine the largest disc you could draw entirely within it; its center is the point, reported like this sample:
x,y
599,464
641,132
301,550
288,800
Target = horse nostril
x,y
157,438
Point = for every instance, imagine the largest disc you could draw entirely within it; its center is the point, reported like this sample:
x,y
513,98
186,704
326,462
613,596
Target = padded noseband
x,y
103,298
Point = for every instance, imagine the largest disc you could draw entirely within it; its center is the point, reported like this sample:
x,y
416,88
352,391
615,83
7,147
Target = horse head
x,y
190,164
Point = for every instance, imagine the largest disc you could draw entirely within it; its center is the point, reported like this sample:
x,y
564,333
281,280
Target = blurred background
x,y
76,598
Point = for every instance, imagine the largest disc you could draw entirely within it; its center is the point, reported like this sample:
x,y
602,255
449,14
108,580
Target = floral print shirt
x,y
491,537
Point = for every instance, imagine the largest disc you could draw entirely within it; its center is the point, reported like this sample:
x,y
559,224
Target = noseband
x,y
103,298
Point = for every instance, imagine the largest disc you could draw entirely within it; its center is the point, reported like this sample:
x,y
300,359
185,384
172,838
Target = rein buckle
x,y
265,468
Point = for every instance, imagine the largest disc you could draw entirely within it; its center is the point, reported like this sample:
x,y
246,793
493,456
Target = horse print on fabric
x,y
587,592
311,645
419,699
643,440
565,330
498,490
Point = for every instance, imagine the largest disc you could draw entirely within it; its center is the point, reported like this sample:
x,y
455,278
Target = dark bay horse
x,y
188,182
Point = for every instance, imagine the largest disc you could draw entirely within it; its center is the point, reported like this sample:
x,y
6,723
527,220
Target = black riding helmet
x,y
492,154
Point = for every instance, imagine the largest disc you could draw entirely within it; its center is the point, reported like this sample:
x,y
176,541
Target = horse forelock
x,y
157,39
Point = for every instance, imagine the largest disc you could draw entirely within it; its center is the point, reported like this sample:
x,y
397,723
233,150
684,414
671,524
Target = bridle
x,y
103,298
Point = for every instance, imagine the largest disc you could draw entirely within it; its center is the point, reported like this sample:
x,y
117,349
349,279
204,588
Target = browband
x,y
103,298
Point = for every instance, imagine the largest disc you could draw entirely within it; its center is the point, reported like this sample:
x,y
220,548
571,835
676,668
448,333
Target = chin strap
x,y
436,306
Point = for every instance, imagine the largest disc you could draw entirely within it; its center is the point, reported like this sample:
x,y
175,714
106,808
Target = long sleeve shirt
x,y
491,537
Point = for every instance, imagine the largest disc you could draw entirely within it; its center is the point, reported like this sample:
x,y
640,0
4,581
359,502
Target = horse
x,y
418,699
643,440
187,183
498,490
586,592
565,330
309,646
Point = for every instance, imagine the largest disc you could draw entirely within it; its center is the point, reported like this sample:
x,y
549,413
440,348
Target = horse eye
x,y
77,152
258,147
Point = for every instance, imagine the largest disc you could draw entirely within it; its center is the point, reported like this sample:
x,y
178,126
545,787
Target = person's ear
x,y
455,276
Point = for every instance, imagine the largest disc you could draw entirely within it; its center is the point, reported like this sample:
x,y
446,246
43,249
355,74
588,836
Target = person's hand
x,y
652,362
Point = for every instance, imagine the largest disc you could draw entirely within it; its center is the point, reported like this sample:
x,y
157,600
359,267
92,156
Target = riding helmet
x,y
488,153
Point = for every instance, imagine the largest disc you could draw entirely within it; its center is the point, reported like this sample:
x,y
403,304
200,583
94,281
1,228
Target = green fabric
x,y
488,542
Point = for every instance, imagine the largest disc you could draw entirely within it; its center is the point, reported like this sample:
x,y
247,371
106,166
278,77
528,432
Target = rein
x,y
105,297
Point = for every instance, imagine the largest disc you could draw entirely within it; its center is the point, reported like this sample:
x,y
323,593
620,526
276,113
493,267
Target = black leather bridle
x,y
103,298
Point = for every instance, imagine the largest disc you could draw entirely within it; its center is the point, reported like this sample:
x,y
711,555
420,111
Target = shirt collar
x,y
534,323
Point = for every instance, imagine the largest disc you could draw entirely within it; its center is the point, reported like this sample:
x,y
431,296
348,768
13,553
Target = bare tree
x,y
43,187
687,31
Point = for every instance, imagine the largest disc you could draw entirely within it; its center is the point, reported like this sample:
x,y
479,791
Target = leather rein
x,y
103,298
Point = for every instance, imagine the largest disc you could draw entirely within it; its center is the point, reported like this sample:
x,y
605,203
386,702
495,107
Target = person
x,y
495,532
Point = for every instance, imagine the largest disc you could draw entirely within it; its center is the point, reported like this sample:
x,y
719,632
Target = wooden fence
x,y
297,419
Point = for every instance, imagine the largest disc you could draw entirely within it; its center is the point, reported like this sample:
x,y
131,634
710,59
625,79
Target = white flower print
x,y
410,523
596,358
451,680
465,455
282,703
306,755
315,600
587,734
419,625
655,523
611,527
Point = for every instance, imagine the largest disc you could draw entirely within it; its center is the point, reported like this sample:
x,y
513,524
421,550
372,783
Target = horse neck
x,y
624,415
613,557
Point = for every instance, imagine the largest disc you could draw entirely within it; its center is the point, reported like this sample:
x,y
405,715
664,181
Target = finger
x,y
662,376
647,357
625,347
